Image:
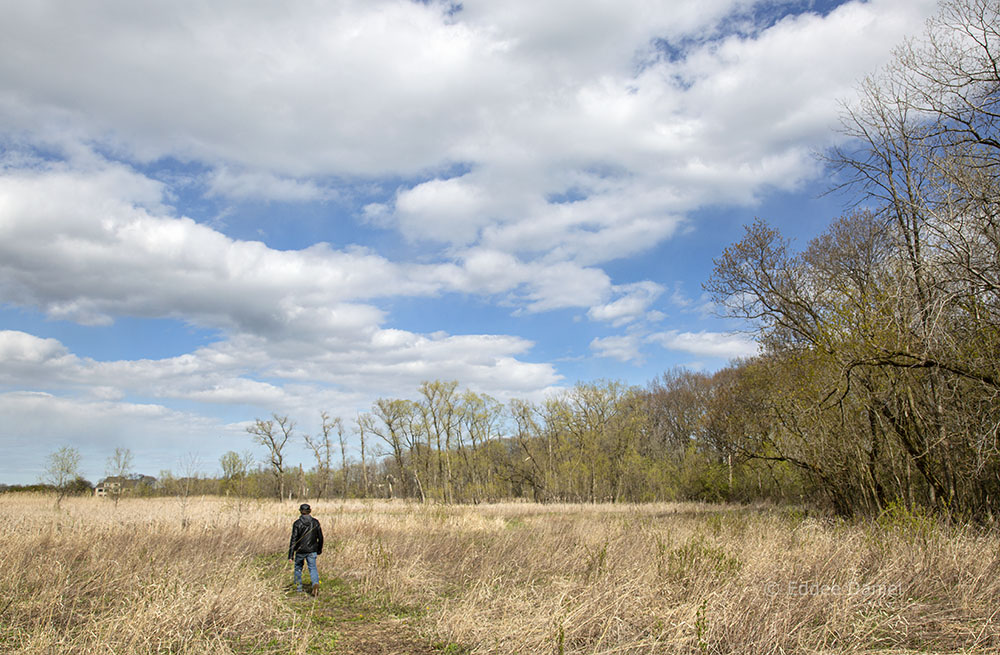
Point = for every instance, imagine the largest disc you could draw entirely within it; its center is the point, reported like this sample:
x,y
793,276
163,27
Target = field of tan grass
x,y
508,578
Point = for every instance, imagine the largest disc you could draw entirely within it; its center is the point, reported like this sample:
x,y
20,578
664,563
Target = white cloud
x,y
90,245
634,152
249,185
610,222
18,347
632,305
679,298
253,371
712,344
352,88
537,99
624,348
31,362
290,374
450,210
703,307
491,271
534,286
565,285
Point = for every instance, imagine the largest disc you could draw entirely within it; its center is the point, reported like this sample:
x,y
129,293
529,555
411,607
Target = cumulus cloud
x,y
29,361
718,345
349,88
87,245
20,347
710,344
703,306
540,103
531,285
606,161
91,244
624,348
633,304
449,210
294,376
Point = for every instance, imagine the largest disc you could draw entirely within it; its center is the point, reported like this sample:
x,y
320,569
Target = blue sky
x,y
214,211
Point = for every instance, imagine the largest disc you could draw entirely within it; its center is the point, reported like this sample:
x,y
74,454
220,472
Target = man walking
x,y
306,543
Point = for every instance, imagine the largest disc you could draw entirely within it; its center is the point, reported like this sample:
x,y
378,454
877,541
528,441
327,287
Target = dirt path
x,y
346,623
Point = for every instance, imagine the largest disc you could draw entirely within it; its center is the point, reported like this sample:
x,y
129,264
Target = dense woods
x,y
880,374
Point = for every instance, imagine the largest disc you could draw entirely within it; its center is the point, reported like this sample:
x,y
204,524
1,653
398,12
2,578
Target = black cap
x,y
304,508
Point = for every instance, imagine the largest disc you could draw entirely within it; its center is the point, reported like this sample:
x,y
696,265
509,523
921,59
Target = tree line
x,y
596,442
600,441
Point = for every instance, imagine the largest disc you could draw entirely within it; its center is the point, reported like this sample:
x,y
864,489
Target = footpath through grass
x,y
341,621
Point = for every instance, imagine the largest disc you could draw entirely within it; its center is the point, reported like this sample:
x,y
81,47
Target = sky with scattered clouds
x,y
214,211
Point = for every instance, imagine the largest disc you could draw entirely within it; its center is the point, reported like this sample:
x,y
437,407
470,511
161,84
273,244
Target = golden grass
x,y
95,579
507,578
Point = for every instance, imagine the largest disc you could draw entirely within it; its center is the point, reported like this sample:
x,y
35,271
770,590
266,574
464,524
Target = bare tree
x,y
412,427
390,414
186,485
480,416
364,460
322,449
274,435
925,152
235,477
441,418
119,466
345,479
536,465
62,469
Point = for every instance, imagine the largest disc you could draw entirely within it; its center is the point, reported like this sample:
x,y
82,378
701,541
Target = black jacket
x,y
307,537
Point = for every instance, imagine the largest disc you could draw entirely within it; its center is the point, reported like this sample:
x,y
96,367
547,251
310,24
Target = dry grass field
x,y
509,578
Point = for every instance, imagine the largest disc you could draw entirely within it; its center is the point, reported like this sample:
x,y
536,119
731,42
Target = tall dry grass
x,y
93,578
508,578
678,578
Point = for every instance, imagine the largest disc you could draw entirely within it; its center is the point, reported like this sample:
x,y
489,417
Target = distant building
x,y
117,485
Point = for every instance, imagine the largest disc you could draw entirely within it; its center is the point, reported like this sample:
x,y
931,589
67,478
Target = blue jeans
x,y
310,559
